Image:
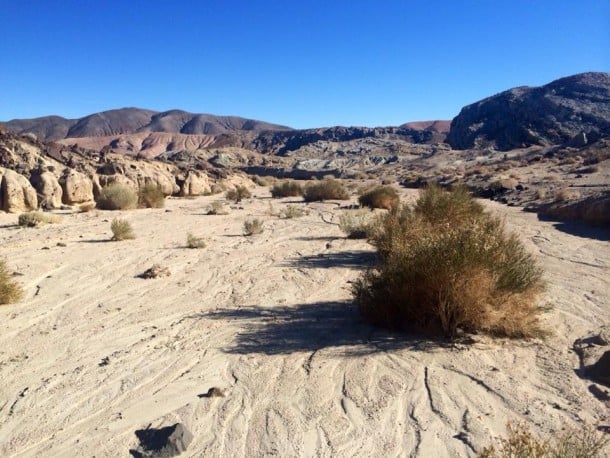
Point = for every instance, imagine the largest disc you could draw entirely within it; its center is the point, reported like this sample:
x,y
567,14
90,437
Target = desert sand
x,y
93,353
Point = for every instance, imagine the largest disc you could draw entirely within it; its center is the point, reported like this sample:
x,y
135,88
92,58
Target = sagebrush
x,y
380,197
238,194
37,218
293,211
121,230
253,226
447,265
194,242
151,196
286,189
356,224
117,196
10,291
327,189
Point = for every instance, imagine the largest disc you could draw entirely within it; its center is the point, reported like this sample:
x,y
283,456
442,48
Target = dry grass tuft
x,y
10,291
356,224
151,196
380,197
446,265
217,208
117,197
583,442
194,242
327,189
238,194
121,230
286,189
293,211
253,227
36,218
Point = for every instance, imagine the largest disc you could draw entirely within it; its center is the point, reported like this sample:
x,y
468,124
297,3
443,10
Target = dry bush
x,y
151,196
217,188
36,218
117,196
380,197
583,442
286,189
356,224
262,181
10,291
563,194
446,265
237,194
541,193
293,211
327,189
121,230
86,207
192,241
253,226
217,208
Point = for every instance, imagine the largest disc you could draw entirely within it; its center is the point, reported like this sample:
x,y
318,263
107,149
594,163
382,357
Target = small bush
x,y
380,197
121,230
34,219
194,242
10,291
117,196
286,189
575,443
327,189
86,207
356,224
293,211
217,188
253,226
447,265
237,194
262,181
151,196
217,208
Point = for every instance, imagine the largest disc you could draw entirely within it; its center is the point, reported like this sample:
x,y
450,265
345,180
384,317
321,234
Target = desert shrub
x,y
293,211
355,224
253,226
217,188
380,197
36,218
446,265
117,196
262,181
563,194
327,189
86,207
217,208
574,443
151,196
121,230
286,189
192,241
238,193
10,291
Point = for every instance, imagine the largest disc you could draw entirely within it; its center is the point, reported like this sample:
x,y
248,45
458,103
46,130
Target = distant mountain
x,y
575,108
136,120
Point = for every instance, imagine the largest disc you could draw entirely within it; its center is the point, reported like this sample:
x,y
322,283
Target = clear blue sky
x,y
305,63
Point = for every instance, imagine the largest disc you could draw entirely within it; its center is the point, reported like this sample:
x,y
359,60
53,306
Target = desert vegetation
x,y
121,230
447,265
10,291
117,196
326,189
217,208
238,194
37,218
151,196
286,189
292,211
253,226
380,197
194,242
356,224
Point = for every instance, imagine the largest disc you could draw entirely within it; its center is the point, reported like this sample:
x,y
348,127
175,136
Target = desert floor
x,y
94,353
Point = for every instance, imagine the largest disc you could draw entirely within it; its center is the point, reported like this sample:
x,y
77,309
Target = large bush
x,y
117,196
445,264
327,189
379,197
151,196
286,189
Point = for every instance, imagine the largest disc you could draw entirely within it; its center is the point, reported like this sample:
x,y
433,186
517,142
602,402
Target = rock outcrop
x,y
77,187
48,188
16,193
575,109
195,184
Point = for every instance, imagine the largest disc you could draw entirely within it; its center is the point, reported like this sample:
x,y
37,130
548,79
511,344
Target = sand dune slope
x,y
94,353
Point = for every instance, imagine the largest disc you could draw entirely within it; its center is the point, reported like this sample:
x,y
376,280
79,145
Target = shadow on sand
x,y
579,229
350,259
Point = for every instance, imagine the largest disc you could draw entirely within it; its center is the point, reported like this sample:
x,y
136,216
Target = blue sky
x,y
299,63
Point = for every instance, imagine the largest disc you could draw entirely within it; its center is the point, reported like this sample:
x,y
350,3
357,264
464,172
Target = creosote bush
x,y
447,265
286,189
327,189
380,197
121,230
583,442
10,291
356,224
192,241
151,196
253,226
238,194
117,196
36,218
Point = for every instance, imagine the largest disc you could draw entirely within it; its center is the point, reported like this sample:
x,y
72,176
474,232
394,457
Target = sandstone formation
x,y
48,188
16,193
195,184
77,187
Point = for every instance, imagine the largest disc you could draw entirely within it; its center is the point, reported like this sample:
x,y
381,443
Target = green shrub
x,y
194,242
10,291
253,226
121,230
293,211
238,193
36,218
380,197
117,196
356,224
286,189
446,265
327,189
151,196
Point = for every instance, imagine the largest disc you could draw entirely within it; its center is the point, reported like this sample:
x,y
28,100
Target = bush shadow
x,y
350,259
579,229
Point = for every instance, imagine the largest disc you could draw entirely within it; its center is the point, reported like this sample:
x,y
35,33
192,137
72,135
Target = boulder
x,y
77,187
600,371
195,184
17,195
48,188
163,442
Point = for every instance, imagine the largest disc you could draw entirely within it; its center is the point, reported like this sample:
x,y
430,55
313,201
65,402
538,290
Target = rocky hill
x,y
575,109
